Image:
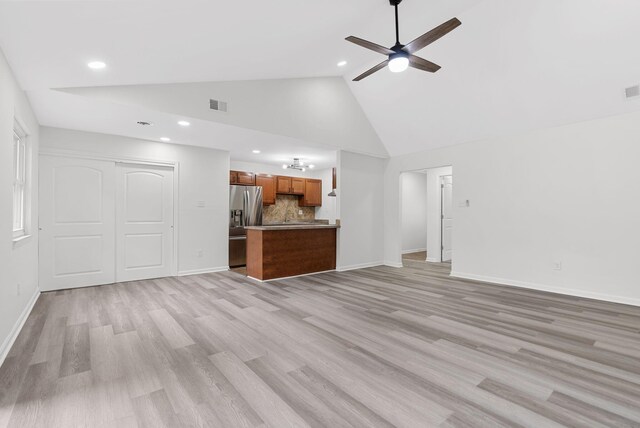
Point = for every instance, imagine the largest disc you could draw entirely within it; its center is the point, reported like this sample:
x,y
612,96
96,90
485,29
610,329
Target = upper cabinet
x,y
246,178
290,185
283,184
309,190
297,186
312,193
268,183
242,178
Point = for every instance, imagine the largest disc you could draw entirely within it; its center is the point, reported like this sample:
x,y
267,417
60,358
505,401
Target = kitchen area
x,y
278,226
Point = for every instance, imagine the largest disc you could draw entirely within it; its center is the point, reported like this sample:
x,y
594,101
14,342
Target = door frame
x,y
136,161
442,179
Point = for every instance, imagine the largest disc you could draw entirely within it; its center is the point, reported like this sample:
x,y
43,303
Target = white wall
x,y
414,211
320,110
328,210
19,262
360,209
265,168
434,202
566,194
203,176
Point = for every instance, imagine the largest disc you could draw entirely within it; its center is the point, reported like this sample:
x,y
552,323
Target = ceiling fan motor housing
x,y
395,2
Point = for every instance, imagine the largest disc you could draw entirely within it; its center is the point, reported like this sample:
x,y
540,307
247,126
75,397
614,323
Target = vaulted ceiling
x,y
512,66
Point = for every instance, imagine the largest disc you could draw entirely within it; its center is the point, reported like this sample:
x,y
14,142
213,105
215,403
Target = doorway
x,y
426,199
103,222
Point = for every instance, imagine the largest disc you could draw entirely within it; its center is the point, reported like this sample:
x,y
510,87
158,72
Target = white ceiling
x,y
512,66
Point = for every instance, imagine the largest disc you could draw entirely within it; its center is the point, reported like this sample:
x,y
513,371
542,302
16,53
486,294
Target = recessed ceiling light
x,y
165,139
285,166
342,63
256,151
96,65
183,123
311,166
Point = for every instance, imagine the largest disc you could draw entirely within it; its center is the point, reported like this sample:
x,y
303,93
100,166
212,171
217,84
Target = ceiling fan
x,y
400,56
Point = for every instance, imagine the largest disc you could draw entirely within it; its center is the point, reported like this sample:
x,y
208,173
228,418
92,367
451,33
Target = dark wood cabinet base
x,y
281,253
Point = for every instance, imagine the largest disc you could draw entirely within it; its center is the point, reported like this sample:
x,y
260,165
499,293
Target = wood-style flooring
x,y
377,347
419,256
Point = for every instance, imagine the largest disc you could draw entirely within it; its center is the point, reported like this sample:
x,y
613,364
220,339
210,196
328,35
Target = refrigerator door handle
x,y
245,202
237,238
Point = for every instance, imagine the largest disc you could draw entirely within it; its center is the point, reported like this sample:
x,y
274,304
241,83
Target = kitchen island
x,y
280,251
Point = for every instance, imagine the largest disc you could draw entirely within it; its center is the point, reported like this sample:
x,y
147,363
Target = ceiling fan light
x,y
398,64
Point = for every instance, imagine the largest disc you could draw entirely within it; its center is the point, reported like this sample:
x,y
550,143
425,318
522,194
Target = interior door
x,y
144,222
76,221
447,218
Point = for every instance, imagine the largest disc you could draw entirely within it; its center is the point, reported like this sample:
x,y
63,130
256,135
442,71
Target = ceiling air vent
x,y
632,92
218,105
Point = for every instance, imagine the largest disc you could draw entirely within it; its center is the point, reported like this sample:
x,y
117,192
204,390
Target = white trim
x,y
434,260
9,341
549,288
415,250
360,266
202,271
290,277
394,264
20,240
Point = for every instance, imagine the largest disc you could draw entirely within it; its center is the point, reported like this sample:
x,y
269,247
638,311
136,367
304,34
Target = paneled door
x,y
144,222
447,218
76,221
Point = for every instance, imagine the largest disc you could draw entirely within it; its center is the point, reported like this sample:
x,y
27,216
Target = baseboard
x,y
359,266
417,250
393,264
202,271
8,342
291,277
433,260
549,288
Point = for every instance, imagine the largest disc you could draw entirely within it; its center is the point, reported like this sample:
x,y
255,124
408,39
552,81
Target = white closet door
x,y
77,224
144,222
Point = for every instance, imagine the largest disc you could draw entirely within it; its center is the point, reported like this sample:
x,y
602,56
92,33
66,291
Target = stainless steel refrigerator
x,y
245,206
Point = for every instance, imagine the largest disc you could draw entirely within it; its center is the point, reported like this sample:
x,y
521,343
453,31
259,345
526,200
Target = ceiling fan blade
x,y
423,64
369,45
433,35
369,72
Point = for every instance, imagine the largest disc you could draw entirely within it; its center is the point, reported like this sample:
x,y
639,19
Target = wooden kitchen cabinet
x,y
297,186
283,184
246,178
268,184
290,185
242,178
312,193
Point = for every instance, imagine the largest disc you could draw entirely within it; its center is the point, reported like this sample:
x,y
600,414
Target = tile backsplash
x,y
286,208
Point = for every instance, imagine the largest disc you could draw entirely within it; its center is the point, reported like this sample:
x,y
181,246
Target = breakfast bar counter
x,y
280,251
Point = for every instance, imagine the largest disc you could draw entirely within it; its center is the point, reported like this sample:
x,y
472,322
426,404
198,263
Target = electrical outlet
x,y
557,265
299,212
200,253
201,204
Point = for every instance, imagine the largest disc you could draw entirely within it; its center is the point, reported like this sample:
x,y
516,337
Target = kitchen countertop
x,y
294,226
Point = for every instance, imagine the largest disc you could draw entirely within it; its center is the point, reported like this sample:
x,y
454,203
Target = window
x,y
19,181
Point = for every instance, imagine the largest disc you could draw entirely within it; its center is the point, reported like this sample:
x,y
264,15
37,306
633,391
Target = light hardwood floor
x,y
377,347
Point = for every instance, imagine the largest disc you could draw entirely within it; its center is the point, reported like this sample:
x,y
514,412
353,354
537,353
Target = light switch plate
x,y
200,204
